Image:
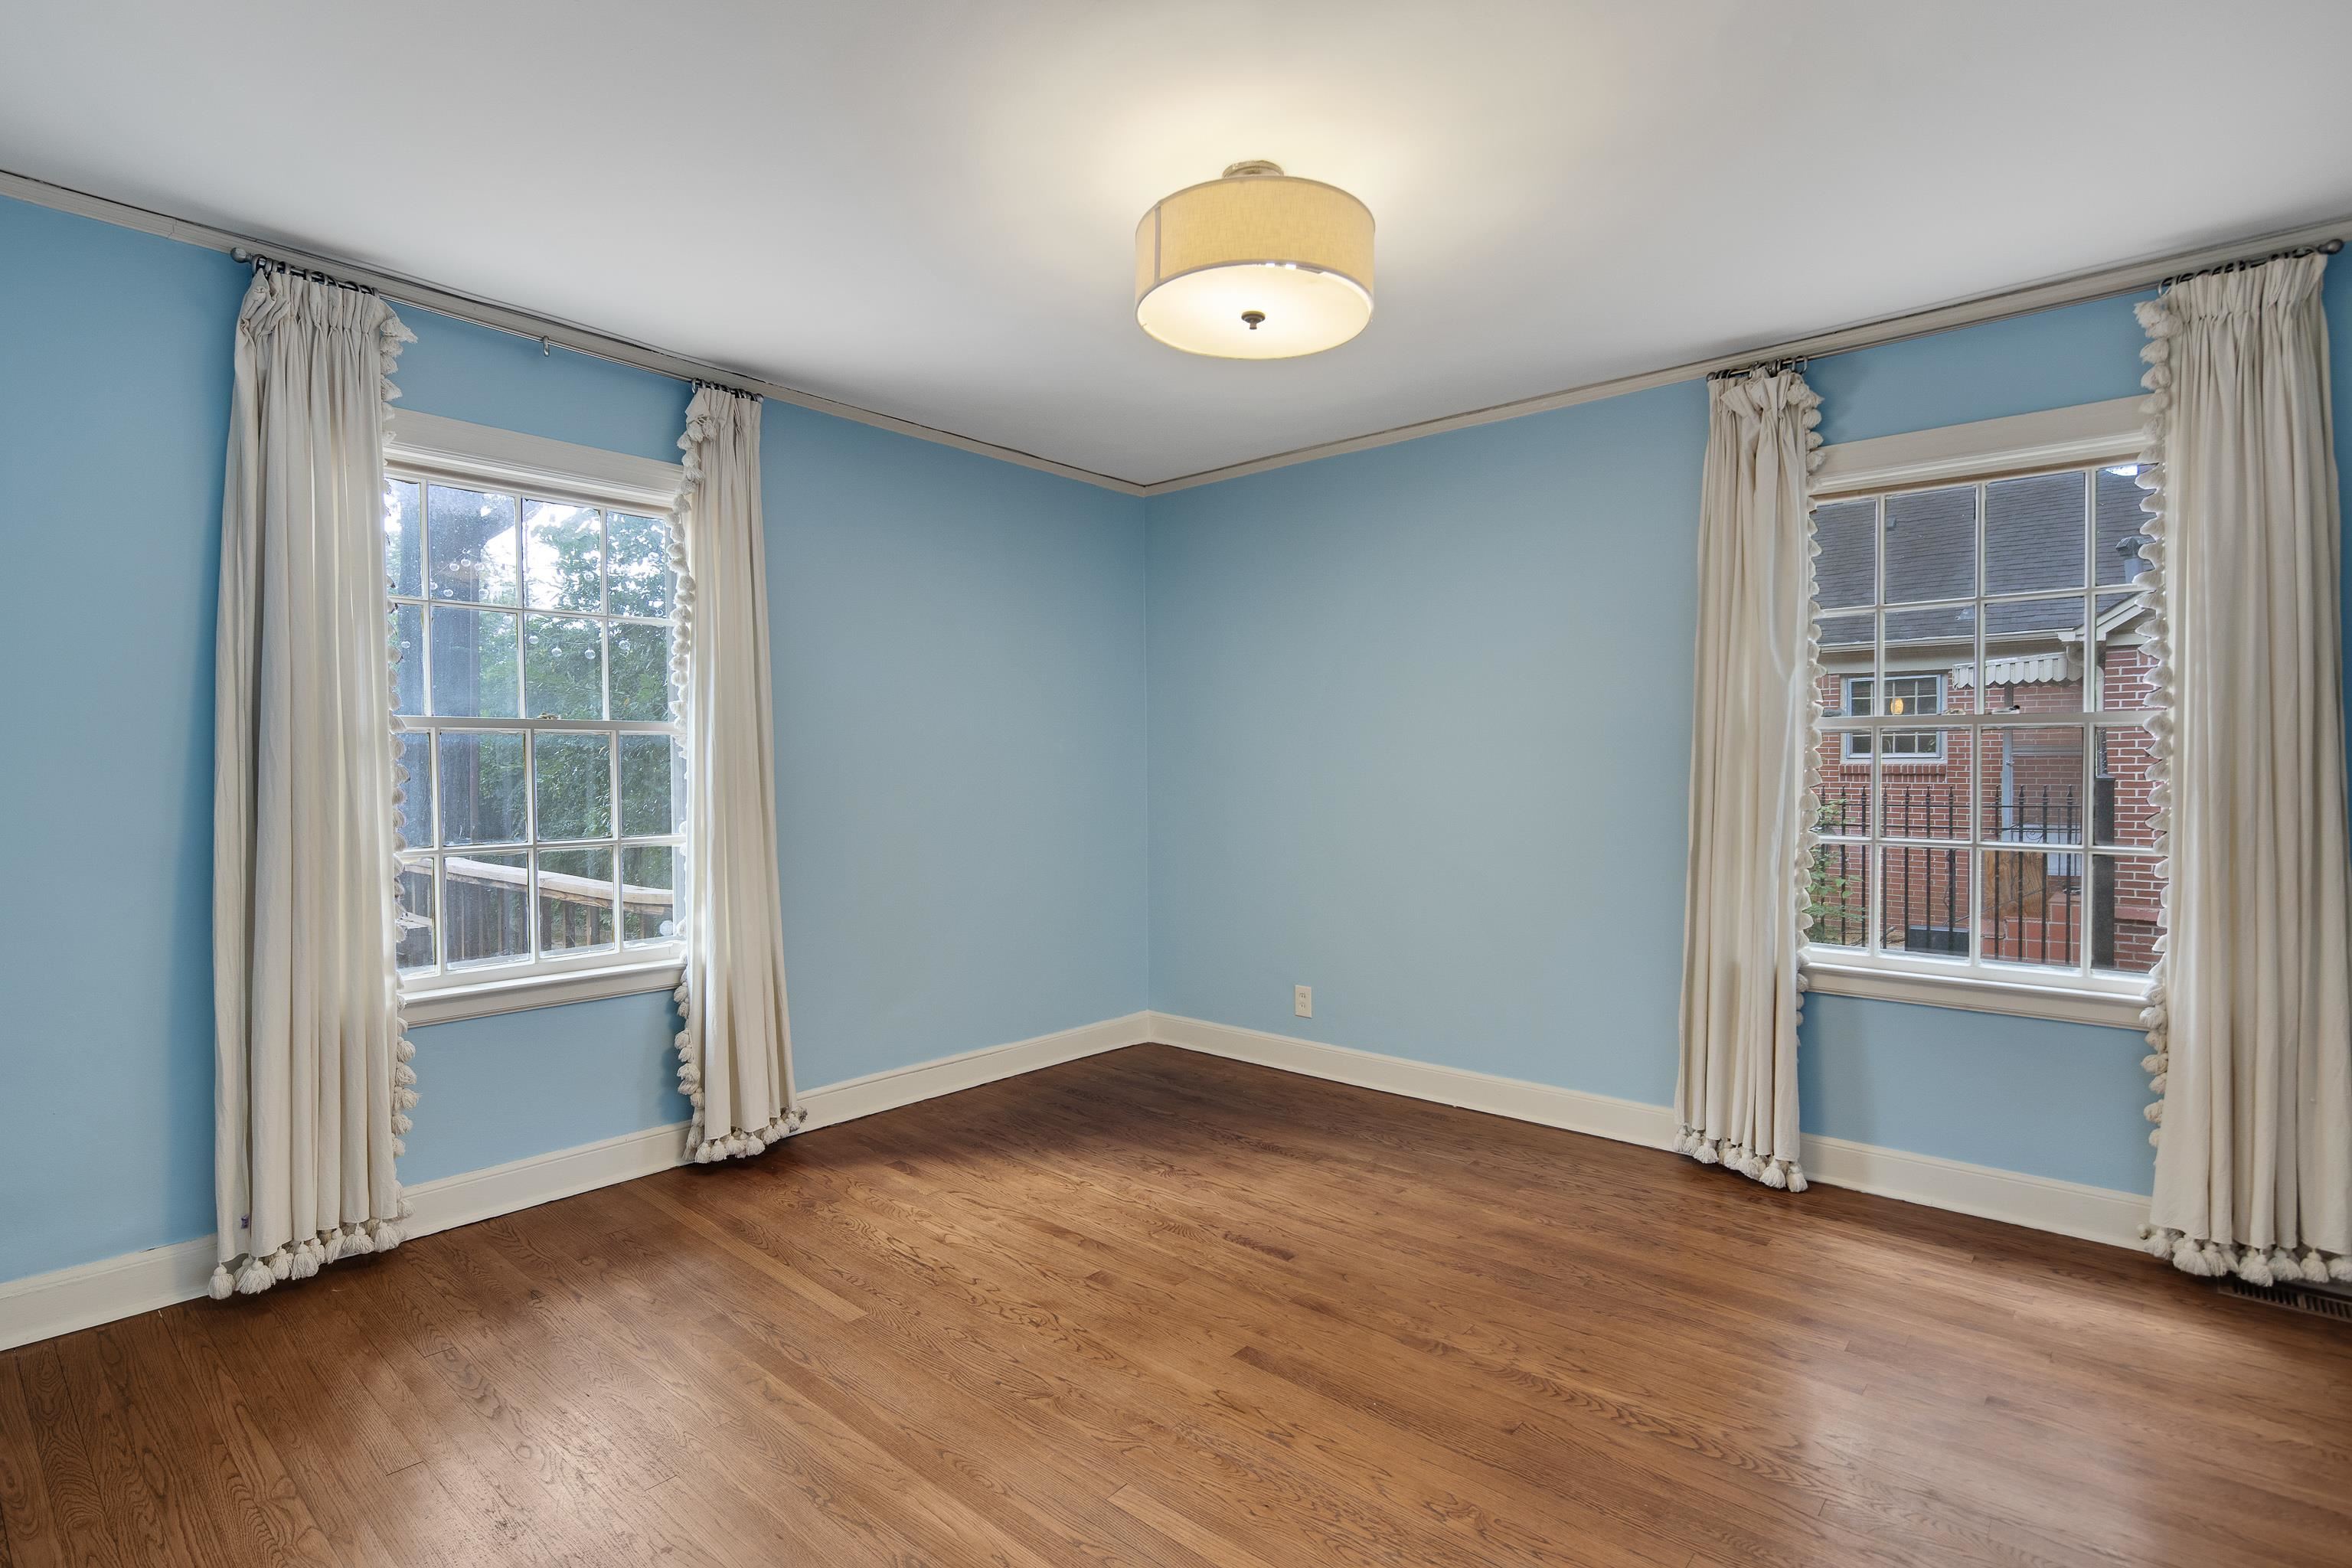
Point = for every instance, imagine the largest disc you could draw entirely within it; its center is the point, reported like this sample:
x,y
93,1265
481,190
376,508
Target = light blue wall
x,y
1420,739
960,692
114,385
958,646
1420,727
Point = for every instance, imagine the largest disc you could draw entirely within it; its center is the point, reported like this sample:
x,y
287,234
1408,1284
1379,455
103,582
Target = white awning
x,y
2030,669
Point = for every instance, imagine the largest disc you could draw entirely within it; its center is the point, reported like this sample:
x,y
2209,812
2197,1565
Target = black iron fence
x,y
2032,900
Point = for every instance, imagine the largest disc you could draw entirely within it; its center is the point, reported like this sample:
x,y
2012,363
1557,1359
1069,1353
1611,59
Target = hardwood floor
x,y
1163,1310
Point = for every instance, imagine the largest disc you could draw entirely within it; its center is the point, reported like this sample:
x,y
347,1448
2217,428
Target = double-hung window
x,y
1985,816
532,614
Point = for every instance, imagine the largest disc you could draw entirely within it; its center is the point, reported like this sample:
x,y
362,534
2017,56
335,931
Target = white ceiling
x,y
927,209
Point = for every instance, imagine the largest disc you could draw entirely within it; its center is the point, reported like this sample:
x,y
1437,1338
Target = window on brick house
x,y
2009,843
1911,694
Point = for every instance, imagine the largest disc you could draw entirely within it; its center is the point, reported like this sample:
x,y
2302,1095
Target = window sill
x,y
447,1004
1979,993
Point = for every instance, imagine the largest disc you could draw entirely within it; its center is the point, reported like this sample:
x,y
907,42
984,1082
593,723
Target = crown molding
x,y
2068,289
553,330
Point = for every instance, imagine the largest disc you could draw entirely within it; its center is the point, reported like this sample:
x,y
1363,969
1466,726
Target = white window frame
x,y
433,450
2088,436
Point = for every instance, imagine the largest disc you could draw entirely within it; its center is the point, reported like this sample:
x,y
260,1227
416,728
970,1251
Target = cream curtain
x,y
1754,767
312,1068
735,1053
2249,1015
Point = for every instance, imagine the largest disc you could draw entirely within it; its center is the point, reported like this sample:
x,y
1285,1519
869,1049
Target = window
x,y
2010,843
1912,694
541,828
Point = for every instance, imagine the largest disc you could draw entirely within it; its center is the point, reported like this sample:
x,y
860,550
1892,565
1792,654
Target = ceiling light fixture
x,y
1257,265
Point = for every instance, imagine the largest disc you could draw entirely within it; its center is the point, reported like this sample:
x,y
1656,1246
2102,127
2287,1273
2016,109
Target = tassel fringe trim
x,y
2157,318
1731,1156
391,334
248,1275
2254,1265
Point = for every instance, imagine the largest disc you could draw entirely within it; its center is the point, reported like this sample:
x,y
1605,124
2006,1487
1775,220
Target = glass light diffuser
x,y
1257,265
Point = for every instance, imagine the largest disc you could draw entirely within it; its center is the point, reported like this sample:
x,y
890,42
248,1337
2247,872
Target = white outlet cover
x,y
1302,1001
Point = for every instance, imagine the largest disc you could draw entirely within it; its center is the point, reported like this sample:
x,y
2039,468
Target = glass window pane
x,y
1924,894
639,570
2125,901
2120,523
416,916
648,785
2127,673
1845,572
647,894
2033,655
2032,790
1931,545
1924,785
1847,635
471,552
474,665
481,788
2032,908
640,671
563,667
575,901
1946,636
575,784
489,898
2034,532
2123,808
563,556
1838,895
1843,794
407,659
412,818
403,539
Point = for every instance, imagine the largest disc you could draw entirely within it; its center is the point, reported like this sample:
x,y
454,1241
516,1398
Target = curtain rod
x,y
2325,248
261,263
1761,367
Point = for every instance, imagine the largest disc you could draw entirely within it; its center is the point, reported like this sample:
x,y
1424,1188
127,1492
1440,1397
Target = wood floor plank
x,y
1154,1310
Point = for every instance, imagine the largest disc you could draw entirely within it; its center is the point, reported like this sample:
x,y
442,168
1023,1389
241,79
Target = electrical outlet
x,y
1302,1001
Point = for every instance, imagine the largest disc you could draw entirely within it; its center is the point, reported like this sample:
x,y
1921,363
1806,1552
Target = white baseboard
x,y
44,1305
448,1201
853,1097
2038,1203
1627,1121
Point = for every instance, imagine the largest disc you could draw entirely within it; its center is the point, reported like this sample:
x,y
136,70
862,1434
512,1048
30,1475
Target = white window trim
x,y
511,460
479,994
1835,971
2060,439
2110,432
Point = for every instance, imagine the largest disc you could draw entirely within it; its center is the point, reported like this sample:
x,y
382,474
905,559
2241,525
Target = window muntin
x,y
2006,609
543,813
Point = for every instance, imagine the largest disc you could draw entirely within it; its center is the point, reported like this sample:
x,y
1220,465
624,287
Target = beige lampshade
x,y
1258,264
